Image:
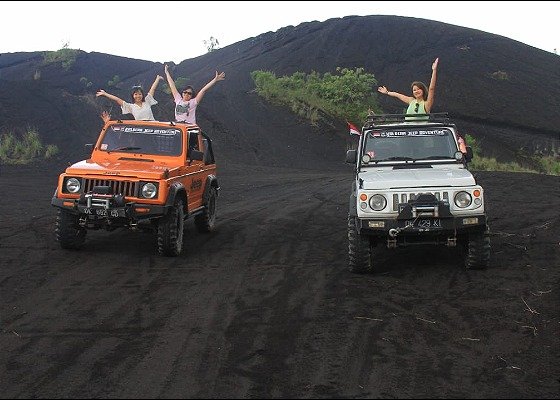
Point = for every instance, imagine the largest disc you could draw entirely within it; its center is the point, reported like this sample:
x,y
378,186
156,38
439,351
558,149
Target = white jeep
x,y
412,186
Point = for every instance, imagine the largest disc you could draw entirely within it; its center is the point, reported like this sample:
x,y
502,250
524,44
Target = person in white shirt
x,y
141,106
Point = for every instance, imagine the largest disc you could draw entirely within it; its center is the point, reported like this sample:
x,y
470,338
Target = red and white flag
x,y
353,129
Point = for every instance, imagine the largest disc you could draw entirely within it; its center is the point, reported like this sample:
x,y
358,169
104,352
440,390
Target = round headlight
x,y
463,199
73,185
149,191
377,202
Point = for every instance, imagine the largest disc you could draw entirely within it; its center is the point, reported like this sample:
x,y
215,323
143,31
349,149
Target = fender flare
x,y
352,205
211,181
175,190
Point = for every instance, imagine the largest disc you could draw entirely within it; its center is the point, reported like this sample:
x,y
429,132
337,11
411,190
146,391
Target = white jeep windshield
x,y
143,139
409,144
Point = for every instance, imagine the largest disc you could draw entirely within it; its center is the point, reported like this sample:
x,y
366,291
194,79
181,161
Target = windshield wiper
x,y
436,158
125,148
397,159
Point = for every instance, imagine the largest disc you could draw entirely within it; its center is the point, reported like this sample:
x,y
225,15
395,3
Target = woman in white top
x,y
141,106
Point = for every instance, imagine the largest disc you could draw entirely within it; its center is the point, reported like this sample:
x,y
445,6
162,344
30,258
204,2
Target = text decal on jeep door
x,y
196,184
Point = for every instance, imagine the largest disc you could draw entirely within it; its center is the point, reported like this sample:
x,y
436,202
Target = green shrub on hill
x,y
28,148
211,44
345,95
115,81
66,56
85,81
548,165
500,75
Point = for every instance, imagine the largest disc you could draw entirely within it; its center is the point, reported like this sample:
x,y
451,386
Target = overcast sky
x,y
174,31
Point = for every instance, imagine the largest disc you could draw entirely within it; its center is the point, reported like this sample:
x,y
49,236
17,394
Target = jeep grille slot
x,y
126,188
405,197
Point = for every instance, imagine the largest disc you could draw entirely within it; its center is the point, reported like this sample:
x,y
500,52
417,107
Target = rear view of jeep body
x,y
412,187
145,175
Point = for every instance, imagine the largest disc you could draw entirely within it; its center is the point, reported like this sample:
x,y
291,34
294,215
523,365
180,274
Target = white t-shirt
x,y
144,112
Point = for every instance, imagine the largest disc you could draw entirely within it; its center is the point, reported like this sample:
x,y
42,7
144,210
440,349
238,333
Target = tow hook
x,y
393,232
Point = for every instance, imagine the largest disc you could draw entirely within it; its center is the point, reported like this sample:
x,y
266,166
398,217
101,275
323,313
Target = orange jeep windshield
x,y
143,139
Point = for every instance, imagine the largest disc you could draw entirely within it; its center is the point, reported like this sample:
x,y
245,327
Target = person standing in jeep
x,y
186,102
422,100
141,106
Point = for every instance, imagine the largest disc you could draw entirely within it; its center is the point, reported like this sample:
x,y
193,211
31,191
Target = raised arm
x,y
154,85
101,92
432,88
401,97
219,77
170,82
105,116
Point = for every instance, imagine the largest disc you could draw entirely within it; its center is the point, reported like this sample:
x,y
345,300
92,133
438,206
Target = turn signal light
x,y
363,197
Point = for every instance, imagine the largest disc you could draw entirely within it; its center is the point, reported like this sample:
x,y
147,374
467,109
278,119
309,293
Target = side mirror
x,y
469,154
351,156
195,155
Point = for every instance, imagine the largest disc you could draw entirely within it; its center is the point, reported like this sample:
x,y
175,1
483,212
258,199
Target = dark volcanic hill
x,y
499,90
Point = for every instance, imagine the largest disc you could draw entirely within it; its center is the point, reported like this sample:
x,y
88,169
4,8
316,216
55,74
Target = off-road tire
x,y
359,249
478,251
170,231
68,233
206,221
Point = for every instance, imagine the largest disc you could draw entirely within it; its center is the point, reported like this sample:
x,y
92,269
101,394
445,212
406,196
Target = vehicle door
x,y
196,175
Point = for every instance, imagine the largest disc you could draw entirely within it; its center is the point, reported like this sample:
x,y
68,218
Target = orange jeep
x,y
141,175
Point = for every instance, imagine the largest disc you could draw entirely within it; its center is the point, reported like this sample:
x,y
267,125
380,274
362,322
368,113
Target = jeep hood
x,y
144,169
412,178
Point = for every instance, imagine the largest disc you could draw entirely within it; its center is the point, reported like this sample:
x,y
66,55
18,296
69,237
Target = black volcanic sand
x,y
266,308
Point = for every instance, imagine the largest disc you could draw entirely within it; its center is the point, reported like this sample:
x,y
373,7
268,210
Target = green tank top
x,y
416,107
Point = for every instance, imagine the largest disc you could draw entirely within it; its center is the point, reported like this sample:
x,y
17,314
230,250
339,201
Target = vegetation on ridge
x,y
547,165
66,56
18,151
346,94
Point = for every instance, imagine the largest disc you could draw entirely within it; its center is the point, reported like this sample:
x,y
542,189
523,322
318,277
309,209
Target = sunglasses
x,y
186,92
416,107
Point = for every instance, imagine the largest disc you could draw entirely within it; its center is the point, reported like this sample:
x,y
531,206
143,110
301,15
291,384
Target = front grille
x,y
403,198
126,188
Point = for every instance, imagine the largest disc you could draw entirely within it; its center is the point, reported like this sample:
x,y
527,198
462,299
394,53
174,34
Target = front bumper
x,y
425,230
422,227
130,211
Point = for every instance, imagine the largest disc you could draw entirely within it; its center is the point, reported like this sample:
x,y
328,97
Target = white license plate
x,y
425,223
103,212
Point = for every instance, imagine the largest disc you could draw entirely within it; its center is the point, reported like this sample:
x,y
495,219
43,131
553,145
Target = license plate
x,y
424,224
103,212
